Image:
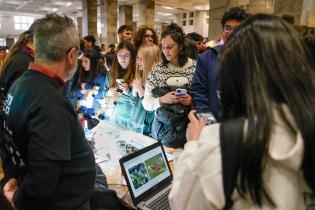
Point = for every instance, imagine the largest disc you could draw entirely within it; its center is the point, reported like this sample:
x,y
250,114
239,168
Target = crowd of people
x,y
260,71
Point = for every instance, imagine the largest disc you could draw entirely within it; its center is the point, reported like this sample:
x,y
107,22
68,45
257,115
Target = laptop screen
x,y
146,169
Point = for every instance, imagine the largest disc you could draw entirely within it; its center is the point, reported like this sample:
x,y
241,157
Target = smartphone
x,y
119,81
180,91
207,116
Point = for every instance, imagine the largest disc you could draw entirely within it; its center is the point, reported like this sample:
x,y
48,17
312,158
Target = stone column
x,y
146,13
300,9
79,22
261,6
84,19
103,21
125,15
312,18
92,17
201,24
109,19
216,11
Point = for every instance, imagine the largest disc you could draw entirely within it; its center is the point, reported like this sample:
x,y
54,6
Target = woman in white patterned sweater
x,y
175,71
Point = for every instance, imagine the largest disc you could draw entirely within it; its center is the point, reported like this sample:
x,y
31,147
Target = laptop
x,y
148,177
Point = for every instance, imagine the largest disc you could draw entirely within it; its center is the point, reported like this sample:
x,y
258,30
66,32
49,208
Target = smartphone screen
x,y
119,81
207,116
180,92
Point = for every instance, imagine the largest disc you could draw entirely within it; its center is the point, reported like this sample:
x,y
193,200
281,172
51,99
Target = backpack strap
x,y
231,132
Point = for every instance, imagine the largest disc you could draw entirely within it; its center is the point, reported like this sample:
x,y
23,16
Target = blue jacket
x,y
205,84
122,110
101,82
140,119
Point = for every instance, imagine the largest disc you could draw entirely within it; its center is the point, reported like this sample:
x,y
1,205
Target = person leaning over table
x,y
267,78
53,166
91,90
121,76
140,119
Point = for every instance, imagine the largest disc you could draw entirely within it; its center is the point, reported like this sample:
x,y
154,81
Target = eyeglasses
x,y
229,28
80,53
149,35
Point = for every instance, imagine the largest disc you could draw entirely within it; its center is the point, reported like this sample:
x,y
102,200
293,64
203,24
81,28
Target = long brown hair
x,y
140,35
151,55
25,38
130,74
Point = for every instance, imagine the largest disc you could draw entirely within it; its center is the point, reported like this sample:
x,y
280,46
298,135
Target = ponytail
x,y
24,38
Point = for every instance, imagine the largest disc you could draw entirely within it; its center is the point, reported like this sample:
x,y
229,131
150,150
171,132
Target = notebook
x,y
148,177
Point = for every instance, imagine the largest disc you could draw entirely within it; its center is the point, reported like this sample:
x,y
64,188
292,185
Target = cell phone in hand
x,y
180,92
207,116
119,81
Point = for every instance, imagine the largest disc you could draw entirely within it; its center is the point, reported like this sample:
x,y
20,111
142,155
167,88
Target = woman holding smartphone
x,y
120,78
175,71
267,78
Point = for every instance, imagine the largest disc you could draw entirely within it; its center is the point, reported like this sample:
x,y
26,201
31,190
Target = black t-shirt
x,y
14,69
47,145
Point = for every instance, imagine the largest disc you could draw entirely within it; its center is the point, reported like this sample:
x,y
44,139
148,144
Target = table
x,y
111,142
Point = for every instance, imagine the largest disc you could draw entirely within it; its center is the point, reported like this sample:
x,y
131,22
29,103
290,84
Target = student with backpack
x,y
268,80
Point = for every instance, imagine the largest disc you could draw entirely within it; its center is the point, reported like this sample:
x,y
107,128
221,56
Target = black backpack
x,y
231,133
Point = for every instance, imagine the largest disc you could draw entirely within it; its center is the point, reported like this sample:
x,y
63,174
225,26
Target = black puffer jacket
x,y
170,121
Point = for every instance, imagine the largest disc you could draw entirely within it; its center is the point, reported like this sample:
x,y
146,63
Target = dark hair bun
x,y
175,28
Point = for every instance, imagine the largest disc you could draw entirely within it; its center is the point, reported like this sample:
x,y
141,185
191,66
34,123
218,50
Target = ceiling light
x,y
13,2
62,3
163,13
202,7
48,9
168,7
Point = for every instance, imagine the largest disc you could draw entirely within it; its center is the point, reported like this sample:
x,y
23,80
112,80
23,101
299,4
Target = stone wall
x,y
302,10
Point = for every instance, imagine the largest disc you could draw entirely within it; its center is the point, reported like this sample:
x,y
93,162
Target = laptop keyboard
x,y
160,203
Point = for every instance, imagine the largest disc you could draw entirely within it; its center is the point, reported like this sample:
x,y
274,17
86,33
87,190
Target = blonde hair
x,y
151,55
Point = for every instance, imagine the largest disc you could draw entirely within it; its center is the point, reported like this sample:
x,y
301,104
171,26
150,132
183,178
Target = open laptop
x,y
148,176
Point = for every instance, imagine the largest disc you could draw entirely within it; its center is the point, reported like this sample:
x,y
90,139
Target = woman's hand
x,y
83,84
9,189
169,98
111,91
194,127
137,84
185,100
124,87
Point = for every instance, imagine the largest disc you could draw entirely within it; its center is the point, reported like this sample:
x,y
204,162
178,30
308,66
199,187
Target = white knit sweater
x,y
168,75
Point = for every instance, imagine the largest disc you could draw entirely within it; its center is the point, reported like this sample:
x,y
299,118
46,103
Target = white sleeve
x,y
197,182
149,102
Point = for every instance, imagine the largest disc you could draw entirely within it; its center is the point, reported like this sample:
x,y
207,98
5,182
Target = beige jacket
x,y
197,183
